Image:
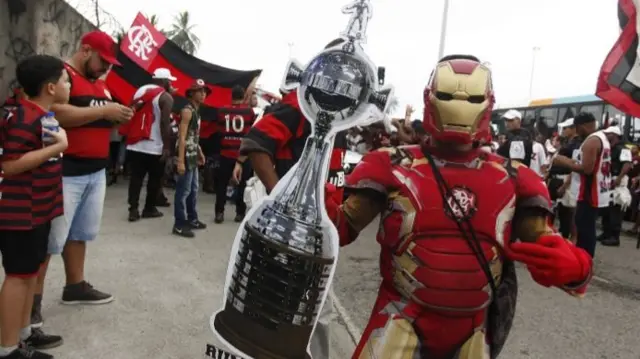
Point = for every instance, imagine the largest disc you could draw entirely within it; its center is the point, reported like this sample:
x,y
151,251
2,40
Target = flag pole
x,y
443,31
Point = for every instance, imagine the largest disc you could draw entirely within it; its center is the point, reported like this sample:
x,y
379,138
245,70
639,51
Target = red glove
x,y
330,203
552,260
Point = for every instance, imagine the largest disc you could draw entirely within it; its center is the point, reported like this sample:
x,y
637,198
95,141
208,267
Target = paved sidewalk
x,y
620,265
166,289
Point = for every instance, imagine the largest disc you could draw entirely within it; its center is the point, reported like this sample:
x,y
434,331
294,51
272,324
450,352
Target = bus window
x,y
595,110
529,118
613,114
549,116
565,113
498,121
635,129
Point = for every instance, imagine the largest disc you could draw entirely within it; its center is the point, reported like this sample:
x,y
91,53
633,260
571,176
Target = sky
x,y
573,37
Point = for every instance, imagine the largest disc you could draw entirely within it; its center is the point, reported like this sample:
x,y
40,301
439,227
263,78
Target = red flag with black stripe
x,y
619,80
144,49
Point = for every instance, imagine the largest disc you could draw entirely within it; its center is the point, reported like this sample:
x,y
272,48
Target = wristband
x,y
240,162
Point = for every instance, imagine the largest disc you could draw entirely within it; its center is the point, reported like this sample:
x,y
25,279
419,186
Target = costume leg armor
x,y
405,330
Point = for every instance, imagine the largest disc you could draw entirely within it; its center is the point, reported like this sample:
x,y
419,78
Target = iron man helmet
x,y
458,100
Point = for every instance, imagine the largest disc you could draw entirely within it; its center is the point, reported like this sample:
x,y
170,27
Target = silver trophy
x,y
285,252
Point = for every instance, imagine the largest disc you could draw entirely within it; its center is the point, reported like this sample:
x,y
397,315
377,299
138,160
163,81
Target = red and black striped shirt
x,y
31,198
283,132
233,124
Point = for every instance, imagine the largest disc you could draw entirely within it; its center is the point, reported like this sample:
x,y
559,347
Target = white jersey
x,y
595,189
154,145
538,158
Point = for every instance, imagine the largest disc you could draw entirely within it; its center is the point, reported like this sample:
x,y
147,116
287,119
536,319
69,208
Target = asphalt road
x,y
167,287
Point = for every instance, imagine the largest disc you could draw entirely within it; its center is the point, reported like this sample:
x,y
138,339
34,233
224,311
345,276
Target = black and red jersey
x,y
283,131
88,150
31,198
233,123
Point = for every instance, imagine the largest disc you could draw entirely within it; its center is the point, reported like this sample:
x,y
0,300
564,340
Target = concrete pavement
x,y
167,287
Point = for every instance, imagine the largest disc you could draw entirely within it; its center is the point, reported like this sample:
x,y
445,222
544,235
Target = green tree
x,y
119,35
181,33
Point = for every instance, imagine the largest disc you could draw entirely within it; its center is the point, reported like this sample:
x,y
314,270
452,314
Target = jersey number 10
x,y
236,123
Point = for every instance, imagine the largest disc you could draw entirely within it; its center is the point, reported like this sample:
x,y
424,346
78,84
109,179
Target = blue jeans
x,y
185,198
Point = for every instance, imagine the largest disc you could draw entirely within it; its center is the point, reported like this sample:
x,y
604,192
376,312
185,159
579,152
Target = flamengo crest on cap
x,y
141,41
361,12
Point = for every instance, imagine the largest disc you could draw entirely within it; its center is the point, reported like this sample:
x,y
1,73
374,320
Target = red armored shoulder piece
x,y
375,171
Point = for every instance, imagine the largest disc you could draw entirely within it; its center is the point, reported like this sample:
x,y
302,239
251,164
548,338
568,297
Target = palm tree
x,y
153,19
119,35
181,33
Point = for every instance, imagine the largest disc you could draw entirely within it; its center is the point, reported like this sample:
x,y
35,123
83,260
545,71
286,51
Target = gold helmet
x,y
458,100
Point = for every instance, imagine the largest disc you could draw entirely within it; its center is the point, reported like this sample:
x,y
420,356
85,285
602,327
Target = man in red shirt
x,y
88,118
234,123
30,198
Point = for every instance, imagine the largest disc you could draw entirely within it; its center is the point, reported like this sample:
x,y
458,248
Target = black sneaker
x,y
163,203
28,353
152,213
184,231
239,218
84,293
36,317
219,218
197,225
40,340
610,242
134,215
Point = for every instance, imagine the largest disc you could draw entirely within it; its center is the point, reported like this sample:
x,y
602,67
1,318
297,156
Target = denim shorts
x,y
83,205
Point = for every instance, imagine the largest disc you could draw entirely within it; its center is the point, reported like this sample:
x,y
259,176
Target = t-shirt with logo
x,y
32,198
192,140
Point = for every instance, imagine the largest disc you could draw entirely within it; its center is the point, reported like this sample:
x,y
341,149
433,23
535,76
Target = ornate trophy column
x,y
284,255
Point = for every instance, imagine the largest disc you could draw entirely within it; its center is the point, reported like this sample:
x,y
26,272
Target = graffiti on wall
x,y
61,29
57,31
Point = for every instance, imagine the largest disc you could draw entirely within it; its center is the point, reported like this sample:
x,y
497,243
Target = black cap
x,y
583,117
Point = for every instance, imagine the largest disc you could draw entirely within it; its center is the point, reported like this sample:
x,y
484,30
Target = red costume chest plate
x,y
425,257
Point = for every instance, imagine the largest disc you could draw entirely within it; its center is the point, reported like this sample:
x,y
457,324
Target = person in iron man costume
x,y
454,219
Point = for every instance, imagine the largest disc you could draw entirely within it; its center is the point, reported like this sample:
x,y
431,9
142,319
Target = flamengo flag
x,y
619,80
144,49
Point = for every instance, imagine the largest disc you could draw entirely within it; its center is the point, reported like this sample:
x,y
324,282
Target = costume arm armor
x,y
356,213
370,183
532,222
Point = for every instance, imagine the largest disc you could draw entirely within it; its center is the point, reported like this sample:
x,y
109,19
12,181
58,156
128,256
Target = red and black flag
x,y
144,49
619,80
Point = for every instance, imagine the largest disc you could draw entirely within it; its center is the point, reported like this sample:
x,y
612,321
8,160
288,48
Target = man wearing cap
x,y
620,167
88,119
190,156
519,143
591,178
560,179
149,148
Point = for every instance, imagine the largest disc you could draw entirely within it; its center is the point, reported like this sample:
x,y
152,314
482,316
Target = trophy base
x,y
288,342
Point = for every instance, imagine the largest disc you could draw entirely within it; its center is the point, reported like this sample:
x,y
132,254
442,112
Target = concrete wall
x,y
30,27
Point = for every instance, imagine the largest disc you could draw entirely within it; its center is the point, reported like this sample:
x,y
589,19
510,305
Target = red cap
x,y
103,44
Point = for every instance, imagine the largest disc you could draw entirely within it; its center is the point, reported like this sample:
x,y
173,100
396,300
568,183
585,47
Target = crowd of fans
x,y
54,203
